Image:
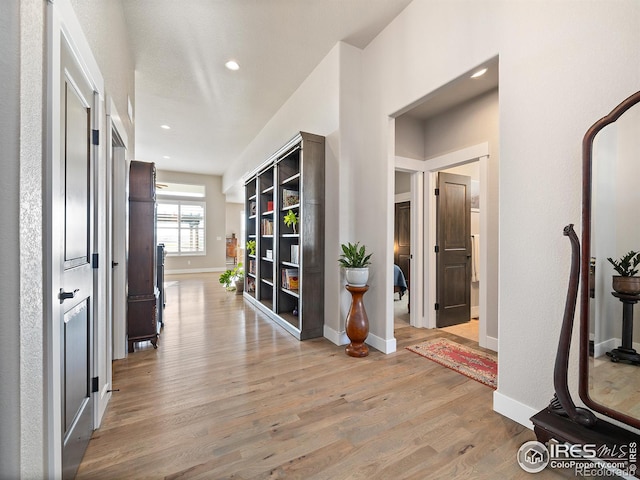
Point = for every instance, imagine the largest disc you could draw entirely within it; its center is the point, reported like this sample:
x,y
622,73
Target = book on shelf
x,y
295,254
252,208
290,278
270,206
268,254
252,267
266,227
290,198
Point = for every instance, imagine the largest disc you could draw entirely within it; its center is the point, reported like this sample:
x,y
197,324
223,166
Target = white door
x,y
74,200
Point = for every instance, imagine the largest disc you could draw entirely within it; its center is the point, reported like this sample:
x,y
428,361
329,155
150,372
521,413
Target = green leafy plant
x,y
229,277
291,219
626,265
251,247
354,255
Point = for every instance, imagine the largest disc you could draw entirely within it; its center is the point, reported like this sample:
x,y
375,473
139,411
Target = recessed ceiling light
x,y
479,73
232,65
167,157
166,127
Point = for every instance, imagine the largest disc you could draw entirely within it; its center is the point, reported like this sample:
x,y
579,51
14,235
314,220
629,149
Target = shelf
x,y
292,319
270,212
252,197
266,236
267,281
251,217
252,275
250,256
266,259
290,235
268,189
289,264
293,293
252,235
284,209
290,179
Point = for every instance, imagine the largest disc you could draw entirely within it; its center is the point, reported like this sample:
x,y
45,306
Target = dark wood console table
x,y
626,352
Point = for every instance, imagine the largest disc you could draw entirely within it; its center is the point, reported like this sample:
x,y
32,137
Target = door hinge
x,y
94,260
436,191
436,306
95,384
95,137
436,249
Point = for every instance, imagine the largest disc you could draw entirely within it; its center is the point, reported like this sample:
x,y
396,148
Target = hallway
x,y
228,394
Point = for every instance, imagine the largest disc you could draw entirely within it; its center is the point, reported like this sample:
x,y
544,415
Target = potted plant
x,y
355,261
626,282
291,220
233,279
251,247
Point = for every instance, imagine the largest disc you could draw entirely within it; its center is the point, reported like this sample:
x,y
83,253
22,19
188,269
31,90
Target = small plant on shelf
x,y
291,220
251,247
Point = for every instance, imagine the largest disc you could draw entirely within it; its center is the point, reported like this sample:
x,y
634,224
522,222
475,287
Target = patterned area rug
x,y
475,364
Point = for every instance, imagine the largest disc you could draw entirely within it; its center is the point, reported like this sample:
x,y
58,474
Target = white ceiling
x,y
180,48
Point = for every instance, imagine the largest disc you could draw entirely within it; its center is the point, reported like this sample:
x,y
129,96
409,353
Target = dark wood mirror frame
x,y
562,421
587,177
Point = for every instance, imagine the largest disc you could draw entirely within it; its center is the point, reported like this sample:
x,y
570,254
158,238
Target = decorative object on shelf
x,y
357,326
231,278
291,220
355,261
626,282
251,247
290,198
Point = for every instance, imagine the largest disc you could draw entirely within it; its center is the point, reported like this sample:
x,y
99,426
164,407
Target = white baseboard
x,y
510,408
335,337
340,338
194,270
385,346
492,343
602,348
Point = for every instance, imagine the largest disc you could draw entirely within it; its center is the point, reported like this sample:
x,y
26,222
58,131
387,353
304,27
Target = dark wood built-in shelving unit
x,y
290,180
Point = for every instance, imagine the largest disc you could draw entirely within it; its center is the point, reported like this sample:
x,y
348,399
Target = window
x,y
180,226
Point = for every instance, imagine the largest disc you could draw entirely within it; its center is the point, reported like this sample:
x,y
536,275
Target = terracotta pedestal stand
x,y
357,327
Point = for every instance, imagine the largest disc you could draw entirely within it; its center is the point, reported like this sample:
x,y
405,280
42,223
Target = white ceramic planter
x,y
357,277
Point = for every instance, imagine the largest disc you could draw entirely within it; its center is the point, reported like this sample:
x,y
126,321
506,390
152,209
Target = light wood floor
x,y
228,394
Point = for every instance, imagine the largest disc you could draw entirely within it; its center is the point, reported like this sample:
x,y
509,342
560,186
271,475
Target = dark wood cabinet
x,y
285,274
142,293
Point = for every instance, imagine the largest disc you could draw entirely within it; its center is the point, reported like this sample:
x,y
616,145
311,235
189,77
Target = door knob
x,y
65,295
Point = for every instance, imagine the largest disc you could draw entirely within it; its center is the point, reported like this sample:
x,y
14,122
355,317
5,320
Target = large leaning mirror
x,y
610,319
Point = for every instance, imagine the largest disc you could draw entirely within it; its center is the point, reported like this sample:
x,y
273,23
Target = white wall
x,y
233,219
9,238
215,224
555,59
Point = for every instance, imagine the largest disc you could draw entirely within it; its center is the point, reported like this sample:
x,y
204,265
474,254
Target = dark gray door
x,y
77,288
454,249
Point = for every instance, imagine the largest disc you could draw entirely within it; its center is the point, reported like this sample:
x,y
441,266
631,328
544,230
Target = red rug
x,y
475,364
